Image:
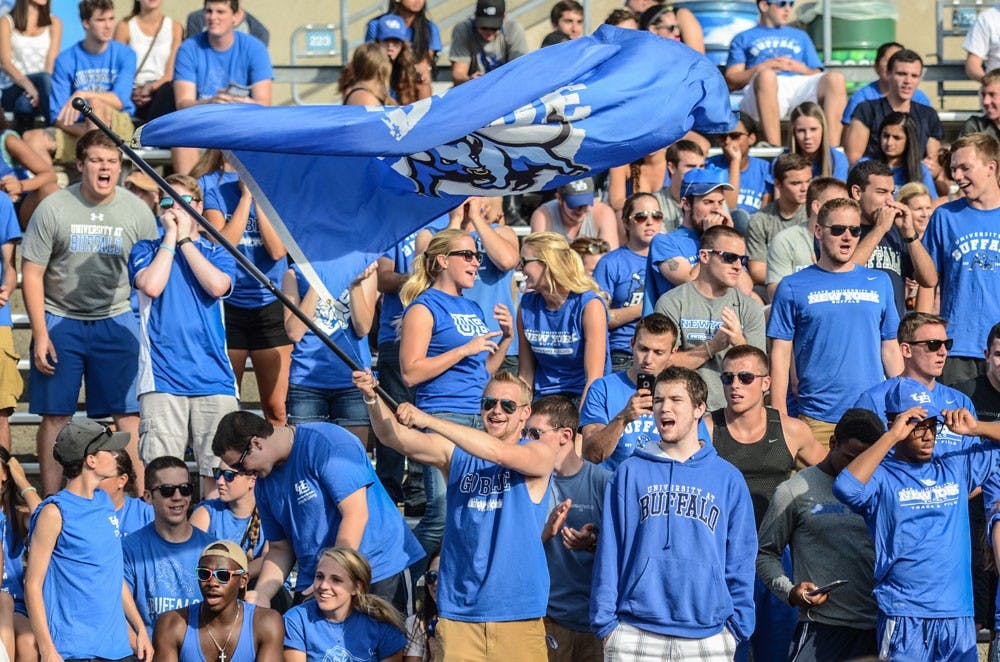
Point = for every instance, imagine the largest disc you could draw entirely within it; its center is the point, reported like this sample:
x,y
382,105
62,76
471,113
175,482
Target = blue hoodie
x,y
676,555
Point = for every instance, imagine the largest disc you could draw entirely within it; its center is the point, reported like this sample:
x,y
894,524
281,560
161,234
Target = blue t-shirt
x,y
682,244
493,565
456,321
761,43
224,525
245,63
133,515
557,342
621,274
247,290
836,322
182,332
161,574
964,244
900,178
213,180
359,638
870,92
10,233
918,517
433,37
298,502
82,588
313,363
756,180
111,70
13,564
493,285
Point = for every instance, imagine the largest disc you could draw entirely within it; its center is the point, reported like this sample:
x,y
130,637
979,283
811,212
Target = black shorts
x,y
256,328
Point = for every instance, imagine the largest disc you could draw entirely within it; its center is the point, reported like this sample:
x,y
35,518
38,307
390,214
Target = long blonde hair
x,y
426,268
360,574
368,64
813,110
564,267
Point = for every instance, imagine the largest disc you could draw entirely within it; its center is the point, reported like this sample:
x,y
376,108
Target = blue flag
x,y
343,184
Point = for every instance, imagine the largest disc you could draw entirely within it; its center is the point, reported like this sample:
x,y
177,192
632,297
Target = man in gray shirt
x,y
485,41
829,543
792,174
76,292
711,313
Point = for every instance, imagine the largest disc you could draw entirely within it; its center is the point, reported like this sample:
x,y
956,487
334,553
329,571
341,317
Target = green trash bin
x,y
858,28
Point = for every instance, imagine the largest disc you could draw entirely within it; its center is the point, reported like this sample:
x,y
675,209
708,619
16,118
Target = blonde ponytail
x,y
359,572
426,268
378,608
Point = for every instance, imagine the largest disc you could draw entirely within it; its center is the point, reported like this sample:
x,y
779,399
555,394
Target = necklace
x,y
222,649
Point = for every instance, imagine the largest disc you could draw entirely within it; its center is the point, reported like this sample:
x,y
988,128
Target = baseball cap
x,y
227,549
142,181
578,194
82,437
702,181
489,13
908,393
391,26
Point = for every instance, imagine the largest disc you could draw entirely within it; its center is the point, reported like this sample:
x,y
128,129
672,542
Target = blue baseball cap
x,y
578,194
391,26
908,393
702,181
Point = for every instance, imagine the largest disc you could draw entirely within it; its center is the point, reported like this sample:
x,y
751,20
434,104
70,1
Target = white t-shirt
x,y
983,38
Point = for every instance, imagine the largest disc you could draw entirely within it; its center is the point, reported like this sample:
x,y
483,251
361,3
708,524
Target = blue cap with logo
x,y
907,393
391,26
702,181
578,194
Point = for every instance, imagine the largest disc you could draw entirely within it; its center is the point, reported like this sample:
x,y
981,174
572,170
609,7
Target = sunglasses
x,y
106,432
243,456
934,345
729,258
508,406
534,433
527,260
167,202
431,577
933,425
229,474
837,230
746,378
467,255
735,135
642,216
782,3
167,490
669,27
222,575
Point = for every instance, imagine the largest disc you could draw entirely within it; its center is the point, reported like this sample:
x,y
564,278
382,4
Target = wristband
x,y
169,249
185,240
910,240
29,488
369,402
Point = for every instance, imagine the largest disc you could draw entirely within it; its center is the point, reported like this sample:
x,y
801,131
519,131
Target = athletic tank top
x,y
27,53
765,464
356,88
156,64
245,650
587,228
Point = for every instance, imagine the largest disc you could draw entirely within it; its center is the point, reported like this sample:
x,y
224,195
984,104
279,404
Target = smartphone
x,y
237,90
832,586
644,380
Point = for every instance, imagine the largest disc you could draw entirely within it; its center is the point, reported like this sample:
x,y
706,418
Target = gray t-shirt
x,y
698,317
570,571
85,249
790,251
765,225
485,56
828,542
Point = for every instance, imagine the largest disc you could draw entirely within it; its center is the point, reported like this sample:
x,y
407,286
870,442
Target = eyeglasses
x,y
467,255
535,433
642,216
932,425
669,27
735,135
431,577
167,202
222,575
527,260
229,474
746,378
933,345
508,406
727,257
837,230
167,490
106,432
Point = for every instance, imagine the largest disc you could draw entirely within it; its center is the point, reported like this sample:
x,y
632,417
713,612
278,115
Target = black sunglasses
x,y
467,255
727,257
229,474
744,376
166,202
534,433
933,345
527,260
735,135
641,216
508,406
431,577
222,575
935,425
167,490
837,230
243,456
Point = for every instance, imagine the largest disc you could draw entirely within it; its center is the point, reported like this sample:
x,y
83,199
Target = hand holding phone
x,y
832,586
645,380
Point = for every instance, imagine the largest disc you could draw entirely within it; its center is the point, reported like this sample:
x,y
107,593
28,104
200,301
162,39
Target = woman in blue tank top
x,y
562,323
132,512
320,388
18,499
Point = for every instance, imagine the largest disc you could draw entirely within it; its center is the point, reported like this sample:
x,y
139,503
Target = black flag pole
x,y
82,106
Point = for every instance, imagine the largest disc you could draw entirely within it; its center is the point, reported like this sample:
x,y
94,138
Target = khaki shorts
x,y
167,423
572,646
121,124
510,641
822,430
11,382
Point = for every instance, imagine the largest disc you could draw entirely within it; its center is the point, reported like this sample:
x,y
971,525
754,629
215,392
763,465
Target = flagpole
x,y
85,108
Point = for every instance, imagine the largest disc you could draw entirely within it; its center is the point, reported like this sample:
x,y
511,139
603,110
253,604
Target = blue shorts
x,y
343,406
104,354
911,639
